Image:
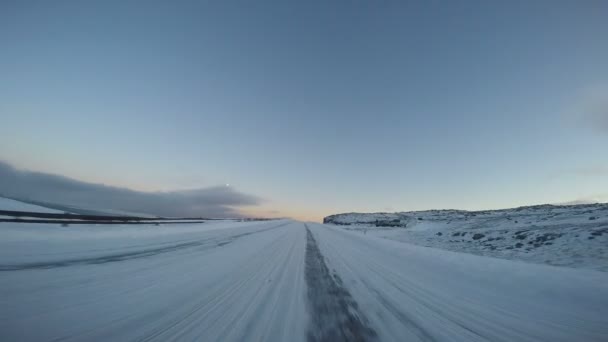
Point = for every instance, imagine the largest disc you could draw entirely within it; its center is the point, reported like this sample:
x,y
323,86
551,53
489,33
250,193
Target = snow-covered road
x,y
278,281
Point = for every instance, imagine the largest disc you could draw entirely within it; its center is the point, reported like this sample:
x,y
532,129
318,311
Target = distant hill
x,y
564,235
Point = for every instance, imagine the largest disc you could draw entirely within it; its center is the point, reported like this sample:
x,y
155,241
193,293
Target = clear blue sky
x,y
317,107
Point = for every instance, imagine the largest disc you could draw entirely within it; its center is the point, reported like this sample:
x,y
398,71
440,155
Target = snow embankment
x,y
573,236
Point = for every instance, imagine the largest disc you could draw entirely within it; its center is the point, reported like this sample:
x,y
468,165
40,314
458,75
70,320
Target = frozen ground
x,y
573,236
278,281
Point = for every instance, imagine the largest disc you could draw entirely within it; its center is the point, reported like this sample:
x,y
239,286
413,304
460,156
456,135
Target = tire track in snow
x,y
250,287
335,314
206,243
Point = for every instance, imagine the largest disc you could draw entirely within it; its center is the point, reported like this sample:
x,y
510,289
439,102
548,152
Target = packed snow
x,y
278,280
412,293
573,236
223,281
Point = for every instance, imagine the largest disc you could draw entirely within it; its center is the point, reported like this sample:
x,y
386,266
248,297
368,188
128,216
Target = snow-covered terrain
x,y
223,281
14,205
573,236
278,280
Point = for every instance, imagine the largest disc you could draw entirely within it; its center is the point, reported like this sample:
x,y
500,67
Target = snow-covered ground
x,y
13,205
278,281
223,281
573,236
412,293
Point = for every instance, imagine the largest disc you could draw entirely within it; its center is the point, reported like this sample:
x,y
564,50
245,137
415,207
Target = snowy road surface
x,y
278,281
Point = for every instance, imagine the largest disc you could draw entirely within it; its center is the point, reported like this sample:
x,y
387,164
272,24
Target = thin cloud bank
x,y
220,201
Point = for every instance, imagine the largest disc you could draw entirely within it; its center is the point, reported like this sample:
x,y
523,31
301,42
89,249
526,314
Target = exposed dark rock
x,y
478,236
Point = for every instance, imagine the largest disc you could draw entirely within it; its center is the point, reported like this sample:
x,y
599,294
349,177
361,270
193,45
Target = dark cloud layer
x,y
220,201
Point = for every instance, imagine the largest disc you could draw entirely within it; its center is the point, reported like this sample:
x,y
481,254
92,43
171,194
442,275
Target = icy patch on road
x,y
335,314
